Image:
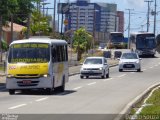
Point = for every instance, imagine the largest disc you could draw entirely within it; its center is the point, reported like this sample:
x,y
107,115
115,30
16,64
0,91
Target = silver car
x,y
95,66
129,61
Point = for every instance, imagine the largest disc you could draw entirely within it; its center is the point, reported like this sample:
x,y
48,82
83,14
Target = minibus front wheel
x,y
11,91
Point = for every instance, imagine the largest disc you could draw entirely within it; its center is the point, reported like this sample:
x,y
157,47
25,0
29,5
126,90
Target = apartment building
x,y
98,18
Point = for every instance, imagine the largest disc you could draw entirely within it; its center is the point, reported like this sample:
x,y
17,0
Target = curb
x,y
2,75
122,115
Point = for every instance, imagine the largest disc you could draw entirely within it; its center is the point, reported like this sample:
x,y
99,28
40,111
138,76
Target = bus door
x,y
58,65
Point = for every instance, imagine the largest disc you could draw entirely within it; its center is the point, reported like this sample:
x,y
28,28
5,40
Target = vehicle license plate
x,y
129,66
26,82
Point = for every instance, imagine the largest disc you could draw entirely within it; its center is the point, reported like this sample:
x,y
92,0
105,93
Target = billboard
x,y
63,8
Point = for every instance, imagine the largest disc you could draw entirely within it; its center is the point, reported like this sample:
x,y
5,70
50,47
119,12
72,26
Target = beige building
x,y
17,32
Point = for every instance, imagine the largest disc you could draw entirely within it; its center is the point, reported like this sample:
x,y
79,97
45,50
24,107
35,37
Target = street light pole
x,y
54,15
129,10
94,20
94,28
77,29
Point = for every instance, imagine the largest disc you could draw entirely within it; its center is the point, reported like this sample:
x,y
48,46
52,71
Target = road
x,y
88,99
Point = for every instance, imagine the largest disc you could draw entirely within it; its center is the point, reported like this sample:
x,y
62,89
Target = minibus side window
x,y
54,54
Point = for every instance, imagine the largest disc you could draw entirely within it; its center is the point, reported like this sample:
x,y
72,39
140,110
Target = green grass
x,y
1,68
151,112
154,100
153,109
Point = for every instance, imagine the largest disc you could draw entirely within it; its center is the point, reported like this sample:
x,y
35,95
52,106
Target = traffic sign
x,y
66,22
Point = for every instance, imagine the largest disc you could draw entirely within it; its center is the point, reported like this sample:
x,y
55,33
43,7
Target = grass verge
x,y
151,111
154,104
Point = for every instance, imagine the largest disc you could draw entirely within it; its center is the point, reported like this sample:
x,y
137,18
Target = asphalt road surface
x,y
84,99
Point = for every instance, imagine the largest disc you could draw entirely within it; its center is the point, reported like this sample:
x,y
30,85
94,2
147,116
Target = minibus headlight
x,y
46,75
10,76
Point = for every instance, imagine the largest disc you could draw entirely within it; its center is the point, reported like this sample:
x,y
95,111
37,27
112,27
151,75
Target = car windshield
x,y
93,61
129,56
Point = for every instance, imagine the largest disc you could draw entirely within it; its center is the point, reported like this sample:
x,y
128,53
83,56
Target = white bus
x,y
143,43
37,63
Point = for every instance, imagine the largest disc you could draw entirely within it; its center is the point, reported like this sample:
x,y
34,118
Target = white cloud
x,y
135,3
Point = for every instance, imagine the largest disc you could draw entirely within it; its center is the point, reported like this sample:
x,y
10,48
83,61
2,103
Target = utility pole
x,y
58,17
148,1
129,17
11,27
155,14
28,26
0,38
54,15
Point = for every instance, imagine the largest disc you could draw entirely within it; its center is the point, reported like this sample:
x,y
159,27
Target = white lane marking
x,y
14,107
151,67
122,75
132,72
108,79
156,65
159,62
77,88
41,99
91,83
143,69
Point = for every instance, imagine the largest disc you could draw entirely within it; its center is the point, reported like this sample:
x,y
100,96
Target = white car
x,y
95,66
129,61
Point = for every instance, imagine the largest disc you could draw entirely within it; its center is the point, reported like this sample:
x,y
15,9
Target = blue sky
x,y
138,16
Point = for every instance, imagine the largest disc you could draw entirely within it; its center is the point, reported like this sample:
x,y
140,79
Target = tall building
x,y
120,15
84,14
98,18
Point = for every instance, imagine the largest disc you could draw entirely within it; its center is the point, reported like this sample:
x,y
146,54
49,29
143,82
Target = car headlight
x,y
101,68
120,62
137,61
153,51
82,68
139,52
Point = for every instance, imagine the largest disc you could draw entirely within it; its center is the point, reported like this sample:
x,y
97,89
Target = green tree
x,y
4,45
39,24
81,42
24,8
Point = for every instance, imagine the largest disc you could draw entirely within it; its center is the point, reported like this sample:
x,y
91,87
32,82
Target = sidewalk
x,y
72,70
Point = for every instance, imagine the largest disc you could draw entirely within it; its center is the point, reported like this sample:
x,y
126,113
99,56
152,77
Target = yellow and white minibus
x,y
37,63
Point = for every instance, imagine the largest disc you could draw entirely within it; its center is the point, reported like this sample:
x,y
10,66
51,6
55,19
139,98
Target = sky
x,y
138,14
